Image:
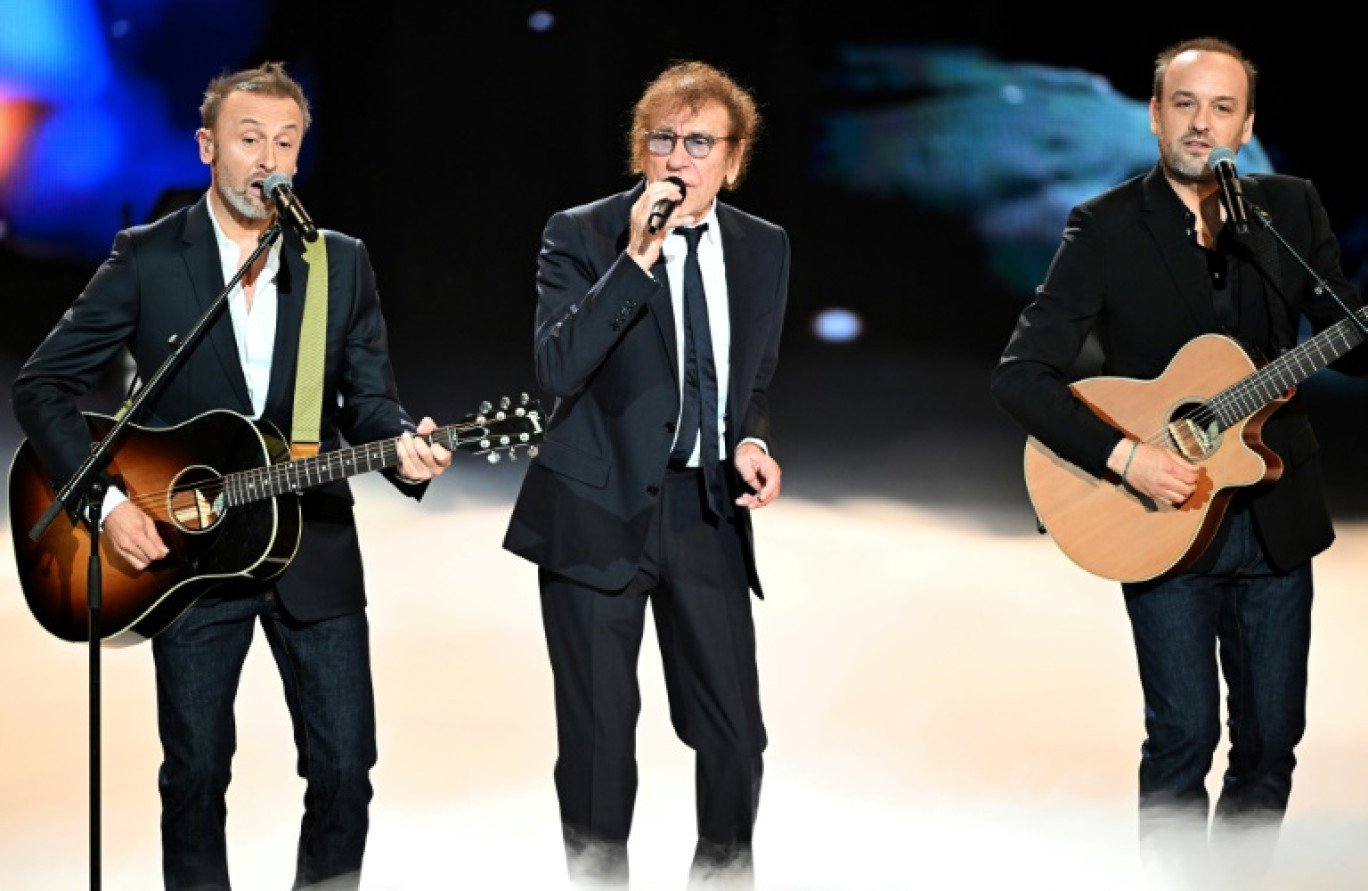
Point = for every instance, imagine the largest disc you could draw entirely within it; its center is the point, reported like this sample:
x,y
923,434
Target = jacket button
x,y
670,427
653,491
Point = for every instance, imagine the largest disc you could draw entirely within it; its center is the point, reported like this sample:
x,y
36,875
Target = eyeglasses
x,y
698,145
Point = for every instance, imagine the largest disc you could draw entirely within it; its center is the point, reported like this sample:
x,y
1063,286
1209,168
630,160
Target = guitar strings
x,y
290,473
210,488
1246,396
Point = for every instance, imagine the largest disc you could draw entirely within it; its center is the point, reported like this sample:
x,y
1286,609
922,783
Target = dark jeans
x,y
1257,622
325,670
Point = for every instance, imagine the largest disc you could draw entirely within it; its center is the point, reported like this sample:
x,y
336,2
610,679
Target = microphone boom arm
x,y
1322,286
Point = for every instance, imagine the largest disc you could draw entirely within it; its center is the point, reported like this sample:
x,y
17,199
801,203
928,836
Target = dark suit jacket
x,y
1126,273
605,347
158,281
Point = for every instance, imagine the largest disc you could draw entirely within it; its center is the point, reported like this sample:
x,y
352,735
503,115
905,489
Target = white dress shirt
x,y
254,329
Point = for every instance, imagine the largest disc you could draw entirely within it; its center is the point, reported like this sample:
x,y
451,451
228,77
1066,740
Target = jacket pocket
x,y
567,461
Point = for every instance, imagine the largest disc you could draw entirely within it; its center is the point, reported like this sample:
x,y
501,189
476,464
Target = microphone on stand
x,y
277,187
1222,162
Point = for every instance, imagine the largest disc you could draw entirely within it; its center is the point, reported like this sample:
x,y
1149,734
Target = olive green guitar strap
x,y
308,404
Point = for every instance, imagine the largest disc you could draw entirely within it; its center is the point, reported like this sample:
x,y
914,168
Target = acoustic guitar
x,y
1209,406
225,497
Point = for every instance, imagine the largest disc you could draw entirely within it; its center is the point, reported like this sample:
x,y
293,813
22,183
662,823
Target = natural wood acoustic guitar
x,y
1209,406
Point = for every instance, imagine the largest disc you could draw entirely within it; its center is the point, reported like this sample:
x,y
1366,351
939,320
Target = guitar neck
x,y
260,483
1276,378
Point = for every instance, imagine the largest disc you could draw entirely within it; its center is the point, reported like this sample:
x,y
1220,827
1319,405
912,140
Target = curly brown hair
x,y
692,84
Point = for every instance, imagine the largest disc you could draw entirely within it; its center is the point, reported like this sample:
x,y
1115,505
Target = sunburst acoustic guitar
x,y
225,497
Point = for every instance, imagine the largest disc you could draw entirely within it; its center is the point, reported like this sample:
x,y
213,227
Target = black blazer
x,y
1127,275
158,281
605,348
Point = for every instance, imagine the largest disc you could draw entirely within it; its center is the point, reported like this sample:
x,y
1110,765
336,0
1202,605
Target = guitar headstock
x,y
507,427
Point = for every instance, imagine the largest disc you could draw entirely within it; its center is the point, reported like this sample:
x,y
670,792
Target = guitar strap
x,y
308,404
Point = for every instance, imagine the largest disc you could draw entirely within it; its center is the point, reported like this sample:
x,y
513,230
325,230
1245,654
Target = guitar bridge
x,y
1192,441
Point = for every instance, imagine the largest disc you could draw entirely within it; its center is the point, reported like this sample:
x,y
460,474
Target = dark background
x,y
445,134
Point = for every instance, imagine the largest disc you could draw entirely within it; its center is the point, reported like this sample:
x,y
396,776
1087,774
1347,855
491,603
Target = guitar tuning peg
x,y
505,402
494,458
486,407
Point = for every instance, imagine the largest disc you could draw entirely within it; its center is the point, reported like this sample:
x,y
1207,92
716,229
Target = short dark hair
x,y
1205,45
692,84
268,79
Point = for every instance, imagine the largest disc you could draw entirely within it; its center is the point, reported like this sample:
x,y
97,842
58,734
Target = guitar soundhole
x,y
1194,433
195,502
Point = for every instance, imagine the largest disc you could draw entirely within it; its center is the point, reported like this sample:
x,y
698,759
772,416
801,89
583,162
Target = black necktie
x,y
699,415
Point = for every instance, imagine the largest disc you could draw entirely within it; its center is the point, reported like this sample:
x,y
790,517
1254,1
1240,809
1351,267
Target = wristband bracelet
x,y
1129,459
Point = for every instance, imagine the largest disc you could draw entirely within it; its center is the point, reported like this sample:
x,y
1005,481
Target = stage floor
x,y
949,706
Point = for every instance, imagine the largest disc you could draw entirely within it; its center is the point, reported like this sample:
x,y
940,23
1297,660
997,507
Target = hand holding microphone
x,y
277,187
1222,161
665,206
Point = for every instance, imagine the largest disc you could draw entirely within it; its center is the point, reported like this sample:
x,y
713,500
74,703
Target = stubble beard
x,y
243,202
1180,167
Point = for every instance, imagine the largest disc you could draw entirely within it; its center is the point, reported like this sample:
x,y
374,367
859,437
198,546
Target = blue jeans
x,y
1251,624
325,670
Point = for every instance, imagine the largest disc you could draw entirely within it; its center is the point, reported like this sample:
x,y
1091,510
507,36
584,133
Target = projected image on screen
x,y
1011,147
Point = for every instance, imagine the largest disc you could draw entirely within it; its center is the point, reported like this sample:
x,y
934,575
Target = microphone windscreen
x,y
275,181
1219,154
679,183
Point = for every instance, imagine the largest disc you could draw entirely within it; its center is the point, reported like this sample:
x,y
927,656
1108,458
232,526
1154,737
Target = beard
x,y
1182,167
243,201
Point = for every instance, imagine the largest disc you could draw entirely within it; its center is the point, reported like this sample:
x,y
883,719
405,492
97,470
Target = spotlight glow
x,y
837,325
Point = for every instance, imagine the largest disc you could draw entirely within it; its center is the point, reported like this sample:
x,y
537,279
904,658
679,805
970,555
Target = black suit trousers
x,y
693,574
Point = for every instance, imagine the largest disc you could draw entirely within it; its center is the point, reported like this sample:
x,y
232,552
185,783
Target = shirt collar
x,y
711,236
228,248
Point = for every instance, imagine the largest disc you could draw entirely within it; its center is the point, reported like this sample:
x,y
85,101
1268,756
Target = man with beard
x,y
157,282
1146,268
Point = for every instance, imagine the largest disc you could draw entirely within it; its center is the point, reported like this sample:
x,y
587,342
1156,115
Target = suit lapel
x,y
1177,252
741,282
661,304
1263,255
662,308
203,265
292,283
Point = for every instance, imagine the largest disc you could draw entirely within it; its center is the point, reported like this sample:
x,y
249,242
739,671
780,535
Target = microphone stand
x,y
1322,287
87,484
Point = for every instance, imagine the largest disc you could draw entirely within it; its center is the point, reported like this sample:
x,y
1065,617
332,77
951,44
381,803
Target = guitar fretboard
x,y
260,483
1244,398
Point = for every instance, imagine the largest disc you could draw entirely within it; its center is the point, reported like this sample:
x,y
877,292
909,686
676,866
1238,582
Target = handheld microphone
x,y
1222,162
664,207
277,188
